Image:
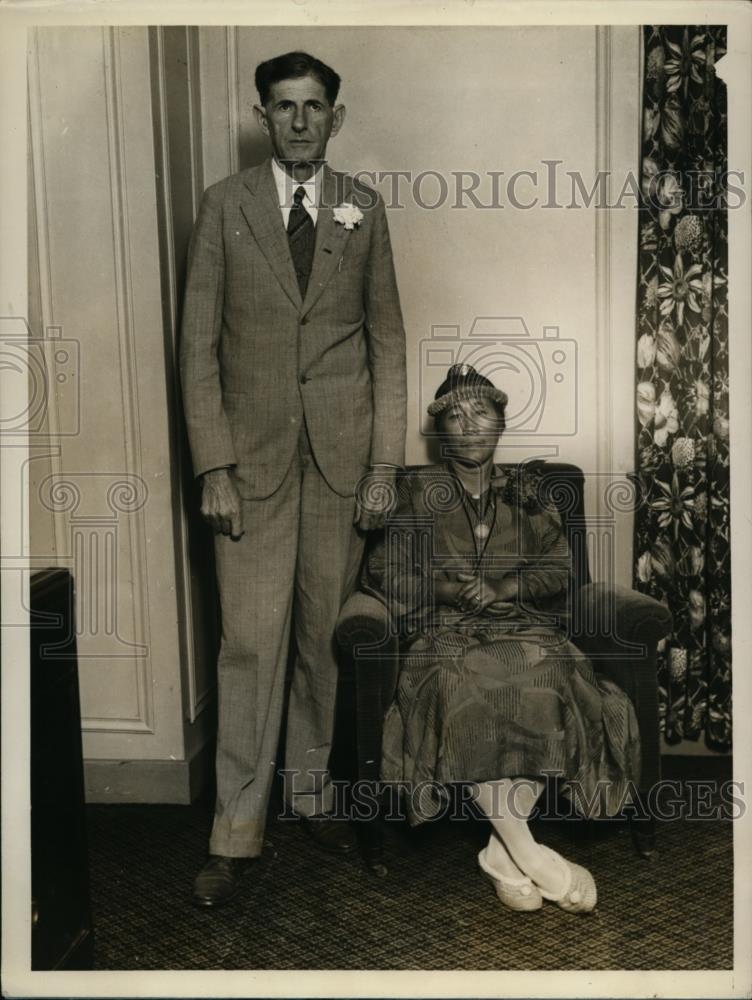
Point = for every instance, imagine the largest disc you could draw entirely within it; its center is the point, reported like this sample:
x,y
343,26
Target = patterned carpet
x,y
302,909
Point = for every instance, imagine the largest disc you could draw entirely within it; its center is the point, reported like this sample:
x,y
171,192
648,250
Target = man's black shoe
x,y
218,881
333,835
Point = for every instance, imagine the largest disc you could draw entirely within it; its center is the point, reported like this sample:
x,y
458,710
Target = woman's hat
x,y
464,381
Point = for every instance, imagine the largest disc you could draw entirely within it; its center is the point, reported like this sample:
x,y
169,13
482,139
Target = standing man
x,y
292,366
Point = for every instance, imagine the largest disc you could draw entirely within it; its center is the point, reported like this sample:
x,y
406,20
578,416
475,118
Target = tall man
x,y
292,366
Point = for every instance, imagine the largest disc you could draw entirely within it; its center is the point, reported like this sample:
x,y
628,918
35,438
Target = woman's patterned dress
x,y
502,693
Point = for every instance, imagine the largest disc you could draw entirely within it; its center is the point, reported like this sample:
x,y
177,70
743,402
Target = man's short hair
x,y
292,66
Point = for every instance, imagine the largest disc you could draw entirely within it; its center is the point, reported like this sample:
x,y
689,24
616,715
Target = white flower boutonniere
x,y
348,215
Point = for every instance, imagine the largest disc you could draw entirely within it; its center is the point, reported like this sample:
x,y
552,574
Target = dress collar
x,y
498,480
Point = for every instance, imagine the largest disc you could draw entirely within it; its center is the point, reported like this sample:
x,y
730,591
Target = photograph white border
x,y
737,72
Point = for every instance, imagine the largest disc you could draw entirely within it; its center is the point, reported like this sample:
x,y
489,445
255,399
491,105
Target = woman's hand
x,y
445,591
472,593
475,593
507,589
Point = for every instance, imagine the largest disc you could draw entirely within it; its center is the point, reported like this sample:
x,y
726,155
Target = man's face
x,y
299,119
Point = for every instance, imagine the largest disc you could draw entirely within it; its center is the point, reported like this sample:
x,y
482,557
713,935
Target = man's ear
x,y
260,115
338,119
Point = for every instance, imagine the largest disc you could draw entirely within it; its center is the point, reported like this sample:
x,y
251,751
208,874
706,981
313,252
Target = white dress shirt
x,y
287,186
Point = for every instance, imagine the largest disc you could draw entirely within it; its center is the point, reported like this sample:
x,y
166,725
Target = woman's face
x,y
470,429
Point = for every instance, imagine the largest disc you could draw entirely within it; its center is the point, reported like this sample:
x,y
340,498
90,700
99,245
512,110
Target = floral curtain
x,y
682,543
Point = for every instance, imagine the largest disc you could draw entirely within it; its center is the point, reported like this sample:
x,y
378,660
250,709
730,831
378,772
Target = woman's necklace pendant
x,y
482,531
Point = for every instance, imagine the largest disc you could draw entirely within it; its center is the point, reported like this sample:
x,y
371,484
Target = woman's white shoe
x,y
516,893
579,894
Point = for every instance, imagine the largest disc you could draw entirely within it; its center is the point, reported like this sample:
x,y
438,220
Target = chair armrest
x,y
618,620
364,621
619,630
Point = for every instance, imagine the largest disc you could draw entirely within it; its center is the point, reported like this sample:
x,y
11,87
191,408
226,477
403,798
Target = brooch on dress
x,y
522,488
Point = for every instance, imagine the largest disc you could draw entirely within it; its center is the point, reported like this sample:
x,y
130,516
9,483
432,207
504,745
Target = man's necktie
x,y
301,235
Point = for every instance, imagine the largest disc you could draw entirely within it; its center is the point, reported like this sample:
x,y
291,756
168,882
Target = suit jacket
x,y
256,359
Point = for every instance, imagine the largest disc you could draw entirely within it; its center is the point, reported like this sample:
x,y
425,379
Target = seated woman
x,y
490,691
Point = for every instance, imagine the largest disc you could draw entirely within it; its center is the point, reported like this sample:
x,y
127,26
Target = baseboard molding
x,y
690,748
699,767
164,782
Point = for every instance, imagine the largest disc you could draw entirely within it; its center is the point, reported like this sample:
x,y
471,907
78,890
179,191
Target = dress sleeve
x,y
396,568
548,568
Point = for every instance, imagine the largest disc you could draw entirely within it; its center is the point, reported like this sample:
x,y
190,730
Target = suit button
x,y
304,379
304,321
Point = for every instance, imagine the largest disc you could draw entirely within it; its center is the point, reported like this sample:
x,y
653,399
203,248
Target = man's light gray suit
x,y
301,397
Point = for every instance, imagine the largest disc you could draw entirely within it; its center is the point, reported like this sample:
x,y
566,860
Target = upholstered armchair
x,y
616,627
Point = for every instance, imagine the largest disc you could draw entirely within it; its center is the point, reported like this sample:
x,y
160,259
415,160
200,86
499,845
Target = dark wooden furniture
x,y
61,928
617,627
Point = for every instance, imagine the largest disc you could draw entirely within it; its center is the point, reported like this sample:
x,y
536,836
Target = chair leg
x,y
643,829
374,689
371,844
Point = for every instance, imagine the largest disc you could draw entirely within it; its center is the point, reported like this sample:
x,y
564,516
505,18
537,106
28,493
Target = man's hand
x,y
220,503
375,497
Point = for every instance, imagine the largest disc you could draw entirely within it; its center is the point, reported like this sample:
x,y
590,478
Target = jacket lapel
x,y
260,206
331,239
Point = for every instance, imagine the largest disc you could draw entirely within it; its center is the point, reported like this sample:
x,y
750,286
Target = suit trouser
x,y
296,562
